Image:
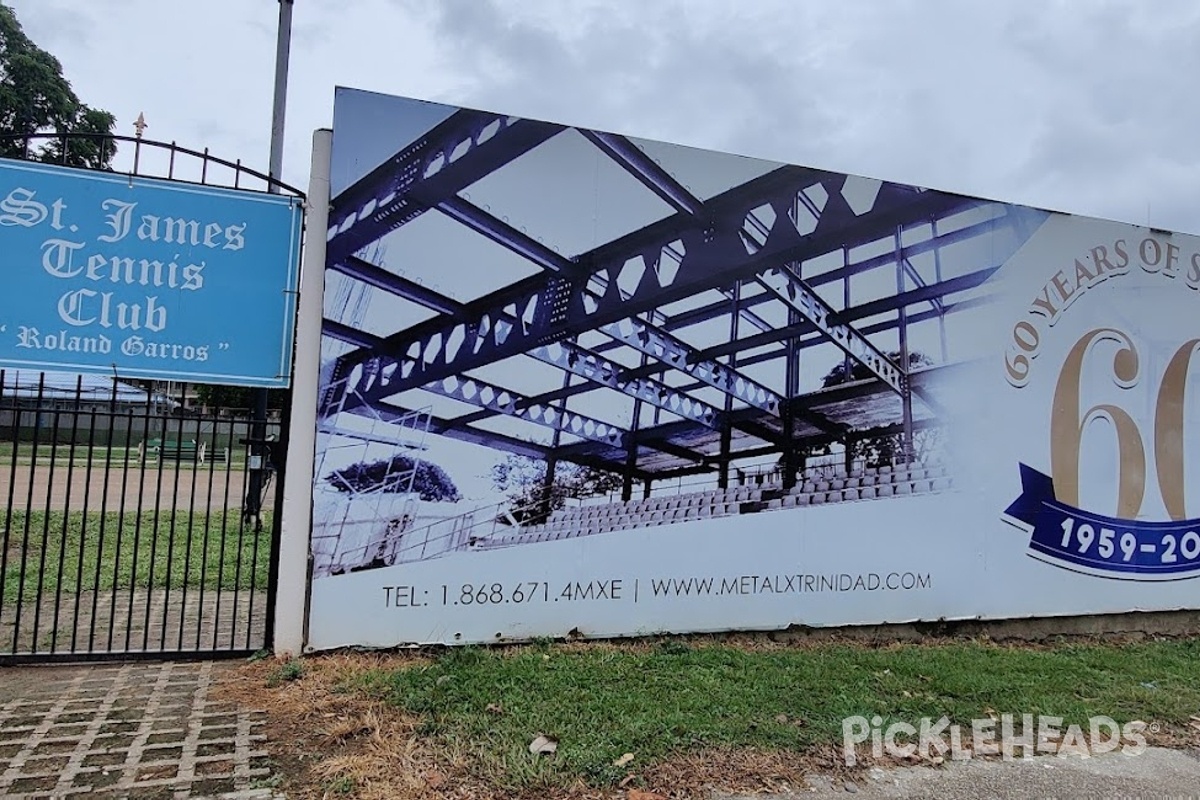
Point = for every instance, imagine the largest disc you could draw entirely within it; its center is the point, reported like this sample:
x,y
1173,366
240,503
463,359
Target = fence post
x,y
291,604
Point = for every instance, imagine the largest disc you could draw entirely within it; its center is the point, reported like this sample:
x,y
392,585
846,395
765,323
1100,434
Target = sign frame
x,y
269,367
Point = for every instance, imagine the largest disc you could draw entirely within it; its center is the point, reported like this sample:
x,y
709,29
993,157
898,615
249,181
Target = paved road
x,y
1156,773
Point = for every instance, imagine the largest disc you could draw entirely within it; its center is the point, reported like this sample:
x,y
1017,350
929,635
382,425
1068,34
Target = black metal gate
x,y
132,524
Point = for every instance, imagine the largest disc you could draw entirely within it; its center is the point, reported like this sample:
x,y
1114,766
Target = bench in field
x,y
179,451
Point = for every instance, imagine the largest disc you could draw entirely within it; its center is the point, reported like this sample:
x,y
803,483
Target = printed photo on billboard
x,y
579,383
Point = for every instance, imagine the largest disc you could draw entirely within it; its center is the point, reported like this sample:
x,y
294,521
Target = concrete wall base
x,y
1129,626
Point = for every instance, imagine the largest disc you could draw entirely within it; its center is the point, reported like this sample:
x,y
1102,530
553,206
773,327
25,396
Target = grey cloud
x,y
1079,106
1117,132
1064,104
660,74
54,25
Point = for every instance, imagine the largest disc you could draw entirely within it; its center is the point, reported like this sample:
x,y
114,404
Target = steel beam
x,y
463,422
564,355
500,232
347,334
704,313
480,393
658,437
815,440
949,286
818,420
866,330
599,370
792,331
573,291
675,450
906,394
671,352
939,290
634,160
594,365
655,438
726,430
860,388
714,254
380,278
912,272
497,399
439,426
801,298
455,429
454,154
500,441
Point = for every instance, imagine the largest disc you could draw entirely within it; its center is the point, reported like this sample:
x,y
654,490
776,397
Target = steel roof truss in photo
x,y
686,338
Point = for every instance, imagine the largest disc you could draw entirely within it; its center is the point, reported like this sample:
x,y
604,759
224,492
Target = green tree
x,y
878,447
235,397
524,480
392,475
36,98
859,372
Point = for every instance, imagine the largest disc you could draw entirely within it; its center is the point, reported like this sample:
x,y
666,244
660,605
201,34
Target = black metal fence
x,y
130,526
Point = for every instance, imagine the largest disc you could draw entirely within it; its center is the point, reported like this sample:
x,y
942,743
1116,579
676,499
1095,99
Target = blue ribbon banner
x,y
1130,548
145,278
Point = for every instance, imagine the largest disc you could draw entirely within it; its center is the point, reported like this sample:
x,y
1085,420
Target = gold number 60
x,y
1067,423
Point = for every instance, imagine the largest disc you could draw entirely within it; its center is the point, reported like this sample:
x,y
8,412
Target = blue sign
x,y
144,278
1131,549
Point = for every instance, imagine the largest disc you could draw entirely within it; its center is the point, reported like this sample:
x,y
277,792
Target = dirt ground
x,y
77,488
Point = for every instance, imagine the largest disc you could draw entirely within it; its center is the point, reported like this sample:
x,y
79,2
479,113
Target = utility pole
x,y
258,449
283,50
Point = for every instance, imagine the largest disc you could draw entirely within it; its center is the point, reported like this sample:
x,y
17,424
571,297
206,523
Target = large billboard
x,y
581,384
145,278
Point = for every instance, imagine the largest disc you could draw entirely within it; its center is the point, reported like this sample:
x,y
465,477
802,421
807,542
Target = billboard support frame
x,y
292,590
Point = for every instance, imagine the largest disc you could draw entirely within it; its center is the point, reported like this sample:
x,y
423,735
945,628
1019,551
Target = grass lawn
x,y
61,453
664,701
212,550
117,454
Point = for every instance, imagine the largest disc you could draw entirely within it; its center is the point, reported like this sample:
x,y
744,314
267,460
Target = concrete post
x,y
291,606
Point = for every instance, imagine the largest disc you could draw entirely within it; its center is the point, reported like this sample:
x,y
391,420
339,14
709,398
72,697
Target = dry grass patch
x,y
330,742
670,718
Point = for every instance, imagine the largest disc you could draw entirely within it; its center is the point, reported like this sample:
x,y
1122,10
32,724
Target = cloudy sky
x,y
1079,106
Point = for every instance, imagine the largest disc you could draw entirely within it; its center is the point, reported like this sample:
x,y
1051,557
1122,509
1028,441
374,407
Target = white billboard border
x,y
293,584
